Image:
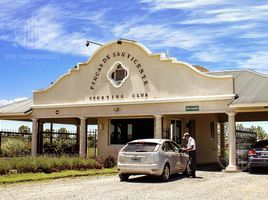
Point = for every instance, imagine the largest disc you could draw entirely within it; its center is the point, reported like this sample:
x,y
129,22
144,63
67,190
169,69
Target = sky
x,y
41,39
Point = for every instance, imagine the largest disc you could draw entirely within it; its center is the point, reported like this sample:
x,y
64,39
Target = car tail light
x,y
251,152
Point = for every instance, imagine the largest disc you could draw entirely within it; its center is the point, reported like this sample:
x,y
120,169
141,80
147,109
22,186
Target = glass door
x,y
176,131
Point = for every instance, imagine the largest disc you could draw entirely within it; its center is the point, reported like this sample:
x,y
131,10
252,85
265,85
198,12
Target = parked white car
x,y
159,157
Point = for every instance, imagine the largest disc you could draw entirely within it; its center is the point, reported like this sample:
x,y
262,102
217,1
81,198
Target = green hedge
x,y
15,147
45,164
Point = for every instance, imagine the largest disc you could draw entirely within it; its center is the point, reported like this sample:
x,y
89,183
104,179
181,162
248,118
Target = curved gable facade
x,y
127,72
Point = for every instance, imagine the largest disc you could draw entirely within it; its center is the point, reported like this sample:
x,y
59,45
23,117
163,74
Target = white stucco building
x,y
131,93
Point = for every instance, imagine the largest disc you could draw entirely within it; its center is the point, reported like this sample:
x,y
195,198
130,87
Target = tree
x,y
24,129
261,134
63,130
47,134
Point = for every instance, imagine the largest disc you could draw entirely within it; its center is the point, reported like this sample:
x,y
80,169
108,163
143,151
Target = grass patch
x,y
91,151
17,178
46,164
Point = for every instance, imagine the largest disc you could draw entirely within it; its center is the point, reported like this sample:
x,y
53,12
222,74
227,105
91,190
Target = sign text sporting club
x,y
129,56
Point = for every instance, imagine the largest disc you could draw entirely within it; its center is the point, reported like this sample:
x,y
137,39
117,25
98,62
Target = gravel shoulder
x,y
208,185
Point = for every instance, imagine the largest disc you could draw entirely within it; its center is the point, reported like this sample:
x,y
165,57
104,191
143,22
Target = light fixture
x,y
91,42
116,109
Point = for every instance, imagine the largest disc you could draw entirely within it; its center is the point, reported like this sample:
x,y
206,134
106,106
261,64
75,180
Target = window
x,y
174,147
176,131
140,147
123,131
212,131
167,147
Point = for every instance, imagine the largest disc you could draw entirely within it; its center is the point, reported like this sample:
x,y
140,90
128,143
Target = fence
x,y
55,142
244,139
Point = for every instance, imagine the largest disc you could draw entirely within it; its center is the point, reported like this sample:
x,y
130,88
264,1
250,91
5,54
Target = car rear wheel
x,y
123,177
166,173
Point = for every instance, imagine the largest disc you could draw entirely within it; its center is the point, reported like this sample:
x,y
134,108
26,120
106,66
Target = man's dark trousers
x,y
192,155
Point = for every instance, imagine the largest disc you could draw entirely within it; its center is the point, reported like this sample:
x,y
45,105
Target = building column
x,y
232,143
83,138
34,136
77,138
158,127
51,133
40,138
222,141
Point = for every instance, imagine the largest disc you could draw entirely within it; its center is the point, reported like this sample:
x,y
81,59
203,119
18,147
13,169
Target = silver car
x,y
160,157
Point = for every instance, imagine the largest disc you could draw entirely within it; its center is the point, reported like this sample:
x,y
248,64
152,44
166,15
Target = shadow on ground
x,y
154,179
214,167
259,171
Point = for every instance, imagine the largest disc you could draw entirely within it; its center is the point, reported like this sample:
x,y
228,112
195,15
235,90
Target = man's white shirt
x,y
191,143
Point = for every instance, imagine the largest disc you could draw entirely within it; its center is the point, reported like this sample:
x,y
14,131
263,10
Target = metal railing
x,y
50,137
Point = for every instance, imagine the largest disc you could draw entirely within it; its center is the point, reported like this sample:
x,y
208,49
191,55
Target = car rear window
x,y
140,147
261,144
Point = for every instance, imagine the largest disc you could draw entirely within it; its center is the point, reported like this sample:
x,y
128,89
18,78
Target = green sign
x,y
191,108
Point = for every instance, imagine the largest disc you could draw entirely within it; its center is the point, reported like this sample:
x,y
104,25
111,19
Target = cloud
x,y
5,101
156,5
160,36
257,61
209,12
204,43
209,55
254,34
228,15
46,29
220,32
9,12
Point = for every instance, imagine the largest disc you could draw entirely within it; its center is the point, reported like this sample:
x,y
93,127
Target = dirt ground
x,y
208,185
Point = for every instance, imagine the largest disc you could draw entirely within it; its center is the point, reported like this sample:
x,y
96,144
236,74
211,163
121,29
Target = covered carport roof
x,y
20,109
250,86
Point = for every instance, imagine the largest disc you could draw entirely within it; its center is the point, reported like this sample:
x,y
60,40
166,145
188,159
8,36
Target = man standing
x,y
191,149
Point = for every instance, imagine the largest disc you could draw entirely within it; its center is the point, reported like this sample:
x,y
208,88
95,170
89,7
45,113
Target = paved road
x,y
208,185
